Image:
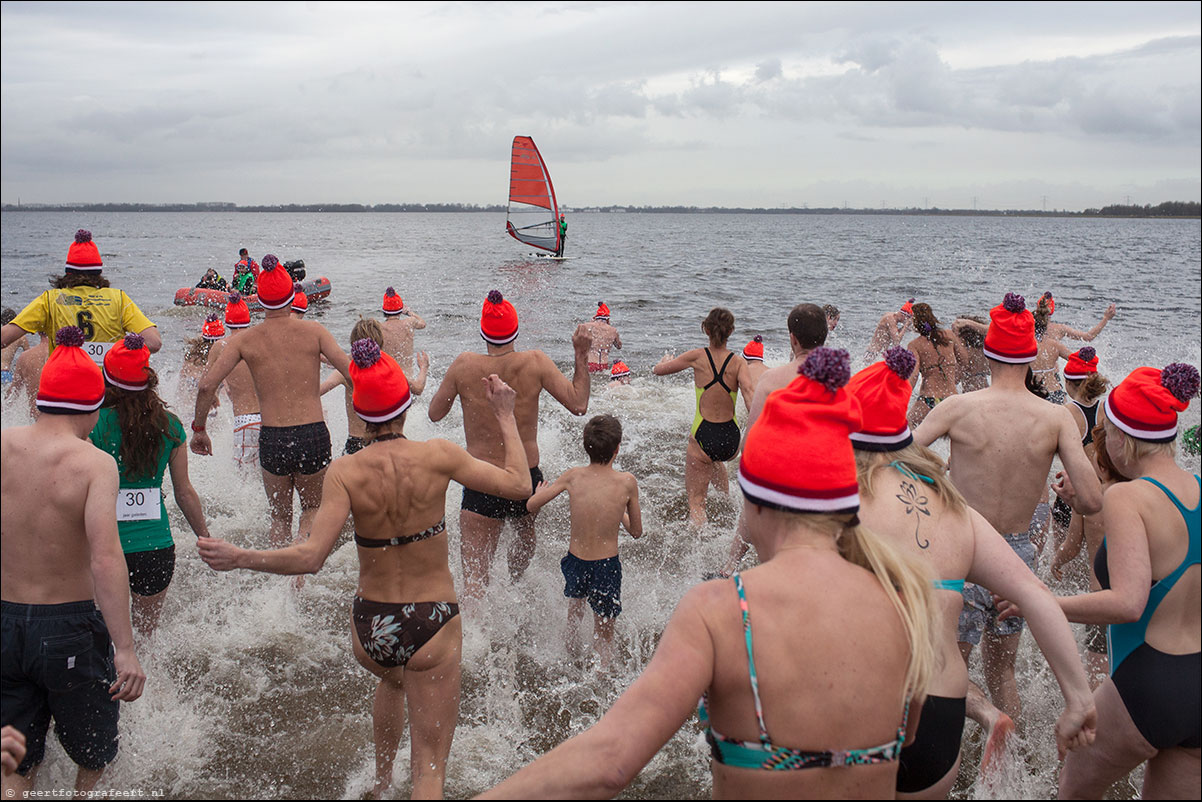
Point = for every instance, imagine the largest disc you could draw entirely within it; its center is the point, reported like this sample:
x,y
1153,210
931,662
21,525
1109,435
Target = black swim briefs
x,y
56,661
285,450
496,507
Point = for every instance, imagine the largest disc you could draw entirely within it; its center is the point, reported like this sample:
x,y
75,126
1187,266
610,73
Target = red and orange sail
x,y
533,214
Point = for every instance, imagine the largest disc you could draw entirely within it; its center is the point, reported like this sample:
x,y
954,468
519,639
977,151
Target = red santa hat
x,y
907,308
212,329
754,349
381,391
1047,296
83,256
498,320
126,363
274,284
237,313
300,301
602,312
1146,403
71,383
798,457
1011,334
1081,364
392,303
619,371
883,390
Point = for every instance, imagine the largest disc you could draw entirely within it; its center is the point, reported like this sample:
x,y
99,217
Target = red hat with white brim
x,y
237,313
798,457
883,390
392,303
274,284
381,391
1082,364
83,256
498,320
1146,403
300,301
1011,334
754,350
71,383
126,363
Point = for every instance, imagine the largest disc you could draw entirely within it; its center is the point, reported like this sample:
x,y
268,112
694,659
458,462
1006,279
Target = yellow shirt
x,y
104,313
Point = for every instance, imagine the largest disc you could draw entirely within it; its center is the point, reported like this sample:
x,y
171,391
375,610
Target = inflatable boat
x,y
315,289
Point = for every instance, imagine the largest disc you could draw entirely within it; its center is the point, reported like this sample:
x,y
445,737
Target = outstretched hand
x,y
1110,312
501,396
220,555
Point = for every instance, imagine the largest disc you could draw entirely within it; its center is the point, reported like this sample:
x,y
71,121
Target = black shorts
x,y
599,581
57,662
150,572
285,450
497,507
936,746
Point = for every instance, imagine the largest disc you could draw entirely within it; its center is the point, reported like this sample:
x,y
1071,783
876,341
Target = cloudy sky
x,y
1008,105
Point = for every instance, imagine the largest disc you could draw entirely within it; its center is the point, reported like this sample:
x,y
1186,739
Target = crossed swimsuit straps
x,y
765,754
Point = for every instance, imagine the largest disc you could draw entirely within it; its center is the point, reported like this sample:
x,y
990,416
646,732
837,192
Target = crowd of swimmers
x,y
878,566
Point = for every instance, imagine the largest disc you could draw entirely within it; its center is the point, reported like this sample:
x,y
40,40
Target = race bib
x,y
97,351
139,504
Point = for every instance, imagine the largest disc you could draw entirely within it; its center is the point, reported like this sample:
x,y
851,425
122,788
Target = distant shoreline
x,y
1169,210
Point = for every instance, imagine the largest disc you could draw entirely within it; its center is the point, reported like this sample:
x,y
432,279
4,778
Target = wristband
x,y
196,428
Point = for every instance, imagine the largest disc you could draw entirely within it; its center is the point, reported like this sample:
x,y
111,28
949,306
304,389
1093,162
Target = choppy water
x,y
253,690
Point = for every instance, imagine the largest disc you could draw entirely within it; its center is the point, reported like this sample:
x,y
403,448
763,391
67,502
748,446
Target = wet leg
x,y
478,538
308,487
697,472
1118,748
146,611
279,503
521,548
433,681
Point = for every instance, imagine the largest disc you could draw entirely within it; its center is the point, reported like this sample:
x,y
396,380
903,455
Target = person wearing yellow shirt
x,y
82,297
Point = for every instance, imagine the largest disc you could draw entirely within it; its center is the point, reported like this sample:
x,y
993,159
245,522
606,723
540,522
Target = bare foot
x,y
995,746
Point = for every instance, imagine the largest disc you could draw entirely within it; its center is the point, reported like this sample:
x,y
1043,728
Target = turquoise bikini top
x,y
765,755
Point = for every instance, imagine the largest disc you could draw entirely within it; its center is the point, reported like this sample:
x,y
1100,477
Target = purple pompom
x,y
759,338
1087,354
296,287
83,235
270,262
235,297
830,367
365,352
71,336
1048,296
212,318
134,342
390,293
1181,380
1014,303
495,297
901,361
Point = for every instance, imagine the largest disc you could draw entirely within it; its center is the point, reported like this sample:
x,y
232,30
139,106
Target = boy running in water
x,y
601,500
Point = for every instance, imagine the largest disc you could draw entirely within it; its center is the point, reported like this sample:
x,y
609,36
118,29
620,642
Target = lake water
x,y
253,690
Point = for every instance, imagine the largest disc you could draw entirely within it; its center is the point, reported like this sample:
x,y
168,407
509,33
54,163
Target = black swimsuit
x,y
719,441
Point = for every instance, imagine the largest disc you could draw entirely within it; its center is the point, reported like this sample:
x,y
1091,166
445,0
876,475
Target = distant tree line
x,y
1166,209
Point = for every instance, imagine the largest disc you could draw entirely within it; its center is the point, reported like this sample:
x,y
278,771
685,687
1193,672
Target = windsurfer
x,y
563,235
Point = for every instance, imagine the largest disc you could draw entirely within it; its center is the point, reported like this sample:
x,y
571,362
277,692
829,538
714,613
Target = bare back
x,y
604,337
715,403
599,497
769,382
527,372
284,357
239,384
1003,441
398,340
832,678
45,556
936,366
398,488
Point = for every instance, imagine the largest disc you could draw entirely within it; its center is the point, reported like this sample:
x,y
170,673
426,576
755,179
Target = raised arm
x,y
110,576
418,323
997,567
574,394
669,364
306,557
185,494
418,383
1088,336
603,760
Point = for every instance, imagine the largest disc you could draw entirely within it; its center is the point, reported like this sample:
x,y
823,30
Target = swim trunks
x,y
496,507
979,611
150,572
936,745
56,661
285,450
599,581
246,439
391,633
354,445
598,367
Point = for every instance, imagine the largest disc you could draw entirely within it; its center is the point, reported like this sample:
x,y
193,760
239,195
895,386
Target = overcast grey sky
x,y
729,104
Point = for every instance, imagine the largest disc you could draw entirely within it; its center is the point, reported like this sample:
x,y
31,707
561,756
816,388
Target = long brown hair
x,y
196,350
72,279
1092,387
145,428
1043,313
927,325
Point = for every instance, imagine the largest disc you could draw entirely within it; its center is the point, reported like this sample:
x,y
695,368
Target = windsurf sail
x,y
533,215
